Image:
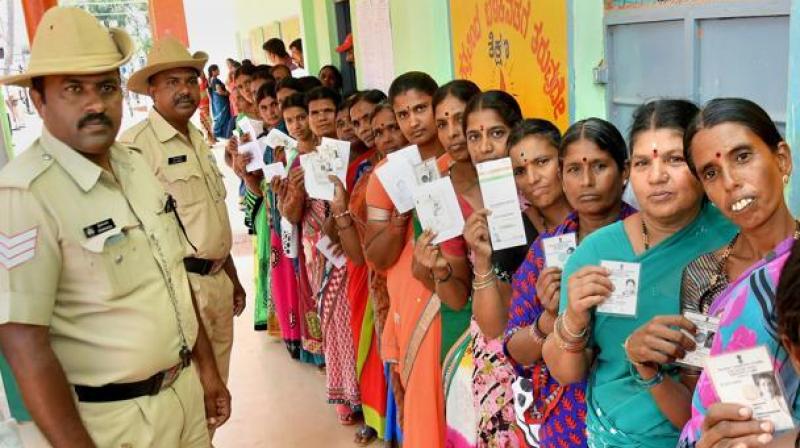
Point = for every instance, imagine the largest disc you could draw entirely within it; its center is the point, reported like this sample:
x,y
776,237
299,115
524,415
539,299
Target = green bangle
x,y
649,383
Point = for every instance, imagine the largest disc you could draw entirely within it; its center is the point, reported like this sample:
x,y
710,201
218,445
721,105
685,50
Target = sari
x,y
361,294
341,300
283,274
313,273
612,394
747,319
553,416
221,107
412,336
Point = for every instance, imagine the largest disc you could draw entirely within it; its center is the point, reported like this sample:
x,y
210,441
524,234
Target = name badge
x,y
176,160
99,228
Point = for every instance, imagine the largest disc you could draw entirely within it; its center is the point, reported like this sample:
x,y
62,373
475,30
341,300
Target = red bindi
x,y
584,160
655,153
719,155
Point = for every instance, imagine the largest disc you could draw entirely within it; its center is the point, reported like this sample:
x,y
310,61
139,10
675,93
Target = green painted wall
x,y
421,37
588,99
319,34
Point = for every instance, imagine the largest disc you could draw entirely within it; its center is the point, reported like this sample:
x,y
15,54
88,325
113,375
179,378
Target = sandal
x,y
346,416
365,435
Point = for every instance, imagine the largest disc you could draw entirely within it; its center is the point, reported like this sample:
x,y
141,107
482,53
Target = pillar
x,y
167,18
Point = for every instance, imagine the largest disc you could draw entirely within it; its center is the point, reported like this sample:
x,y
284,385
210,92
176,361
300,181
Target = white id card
x,y
558,249
256,155
438,210
277,139
289,238
426,172
707,327
499,192
746,377
273,170
625,278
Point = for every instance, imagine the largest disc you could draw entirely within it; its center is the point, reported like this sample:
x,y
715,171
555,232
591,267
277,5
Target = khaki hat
x,y
70,41
167,53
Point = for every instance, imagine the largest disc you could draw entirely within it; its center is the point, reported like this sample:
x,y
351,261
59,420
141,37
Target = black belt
x,y
128,391
198,265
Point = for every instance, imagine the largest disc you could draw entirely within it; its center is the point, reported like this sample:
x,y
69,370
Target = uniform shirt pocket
x,y
185,184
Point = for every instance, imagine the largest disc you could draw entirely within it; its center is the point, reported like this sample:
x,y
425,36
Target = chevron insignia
x,y
17,249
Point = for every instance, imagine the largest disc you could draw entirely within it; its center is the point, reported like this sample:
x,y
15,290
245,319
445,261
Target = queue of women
x,y
460,345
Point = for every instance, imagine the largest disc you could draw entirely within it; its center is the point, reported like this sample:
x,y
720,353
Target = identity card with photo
x,y
314,188
438,210
427,171
499,192
278,139
624,298
707,327
557,249
397,177
746,377
332,157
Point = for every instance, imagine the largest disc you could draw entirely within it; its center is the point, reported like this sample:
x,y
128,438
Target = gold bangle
x,y
477,286
570,332
483,276
564,344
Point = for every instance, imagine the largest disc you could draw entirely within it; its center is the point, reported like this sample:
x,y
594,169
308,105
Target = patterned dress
x,y
561,411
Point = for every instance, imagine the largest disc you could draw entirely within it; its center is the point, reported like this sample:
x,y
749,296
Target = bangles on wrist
x,y
341,215
627,354
446,277
566,342
569,332
648,383
477,285
536,332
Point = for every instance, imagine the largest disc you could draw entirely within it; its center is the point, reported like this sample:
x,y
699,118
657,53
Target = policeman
x,y
97,318
182,161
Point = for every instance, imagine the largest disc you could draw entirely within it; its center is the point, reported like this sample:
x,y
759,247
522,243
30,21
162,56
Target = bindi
x,y
655,150
719,156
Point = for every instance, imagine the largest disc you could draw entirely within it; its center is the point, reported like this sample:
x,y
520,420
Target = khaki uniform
x,y
188,171
93,256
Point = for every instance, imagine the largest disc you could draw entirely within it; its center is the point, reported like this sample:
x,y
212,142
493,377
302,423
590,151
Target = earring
x,y
786,179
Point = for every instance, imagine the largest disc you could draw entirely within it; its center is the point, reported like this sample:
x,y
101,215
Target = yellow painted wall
x,y
257,21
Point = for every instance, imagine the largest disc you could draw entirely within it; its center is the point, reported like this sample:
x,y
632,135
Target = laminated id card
x,y
623,300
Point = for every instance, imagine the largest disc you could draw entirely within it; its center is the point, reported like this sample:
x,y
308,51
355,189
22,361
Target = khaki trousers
x,y
175,417
214,295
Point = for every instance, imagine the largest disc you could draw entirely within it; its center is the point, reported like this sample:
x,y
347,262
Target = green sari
x,y
620,413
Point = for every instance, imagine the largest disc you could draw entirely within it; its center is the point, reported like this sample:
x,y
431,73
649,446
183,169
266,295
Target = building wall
x,y
587,52
252,17
421,37
219,42
793,107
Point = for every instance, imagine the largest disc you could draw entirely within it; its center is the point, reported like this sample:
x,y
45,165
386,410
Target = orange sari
x,y
412,338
